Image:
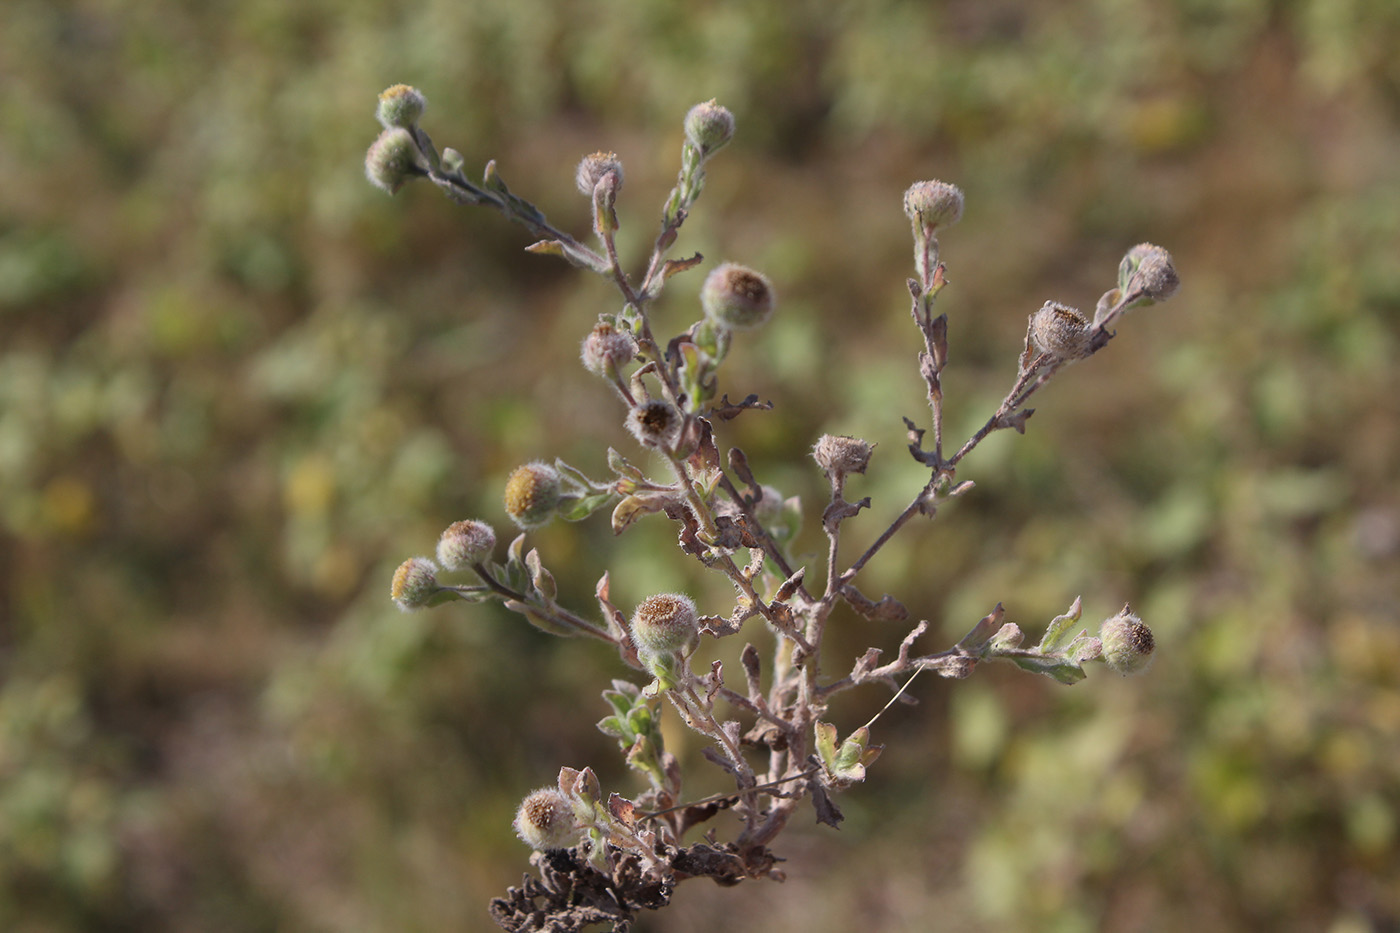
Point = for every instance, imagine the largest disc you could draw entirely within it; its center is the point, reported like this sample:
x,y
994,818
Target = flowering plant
x,y
606,857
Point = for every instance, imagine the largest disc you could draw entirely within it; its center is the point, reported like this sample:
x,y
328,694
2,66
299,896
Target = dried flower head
x,y
465,543
708,127
400,105
546,820
593,168
838,455
415,583
1127,643
736,297
933,204
394,159
1061,332
533,492
664,623
1148,271
655,423
606,350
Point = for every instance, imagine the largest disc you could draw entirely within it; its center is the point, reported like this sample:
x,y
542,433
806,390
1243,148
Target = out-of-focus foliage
x,y
238,385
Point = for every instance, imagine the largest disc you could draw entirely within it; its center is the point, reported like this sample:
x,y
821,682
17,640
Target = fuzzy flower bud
x,y
606,349
593,168
1127,643
933,204
394,159
1061,332
465,543
709,127
546,820
838,455
415,582
664,624
655,423
533,492
1148,269
736,297
400,105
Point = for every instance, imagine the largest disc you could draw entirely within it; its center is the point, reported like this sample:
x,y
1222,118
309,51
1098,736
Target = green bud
x,y
546,820
1127,643
1061,332
394,159
933,204
465,543
532,494
736,297
1148,271
708,127
400,105
664,624
415,583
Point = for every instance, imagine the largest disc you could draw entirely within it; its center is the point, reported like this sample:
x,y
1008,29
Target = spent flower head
x,y
606,349
655,423
546,820
1127,643
664,623
1061,332
736,297
933,204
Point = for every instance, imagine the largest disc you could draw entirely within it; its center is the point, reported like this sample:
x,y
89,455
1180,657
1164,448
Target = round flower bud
x,y
546,820
709,127
736,297
400,105
1148,269
664,624
394,159
592,169
606,349
839,454
655,423
465,543
1127,643
1061,332
415,582
533,492
933,204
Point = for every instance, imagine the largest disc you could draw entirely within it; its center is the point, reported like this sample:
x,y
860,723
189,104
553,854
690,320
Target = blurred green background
x,y
238,385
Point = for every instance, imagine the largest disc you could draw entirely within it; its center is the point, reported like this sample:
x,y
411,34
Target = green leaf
x,y
1060,632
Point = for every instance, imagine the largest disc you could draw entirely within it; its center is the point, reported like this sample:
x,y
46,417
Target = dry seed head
x,y
933,204
839,454
532,494
1127,643
1061,332
736,297
606,349
592,169
664,623
415,582
394,159
655,423
546,820
709,127
400,105
465,543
